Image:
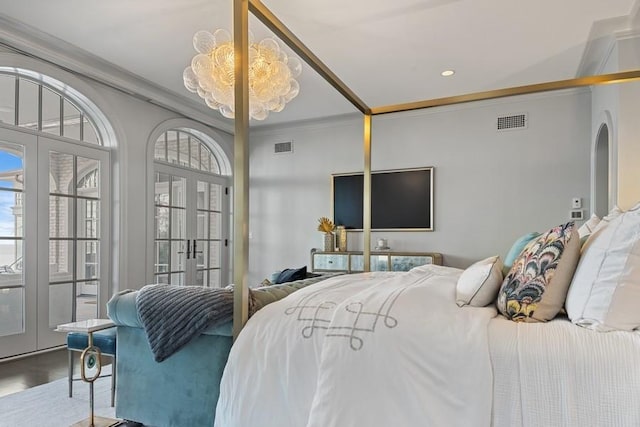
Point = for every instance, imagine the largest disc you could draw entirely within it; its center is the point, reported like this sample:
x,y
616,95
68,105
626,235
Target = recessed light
x,y
447,73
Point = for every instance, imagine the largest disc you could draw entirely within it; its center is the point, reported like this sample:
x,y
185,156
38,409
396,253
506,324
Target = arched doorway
x,y
55,198
191,207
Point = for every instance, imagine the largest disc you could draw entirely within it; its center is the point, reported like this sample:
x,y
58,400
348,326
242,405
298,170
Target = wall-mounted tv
x,y
400,199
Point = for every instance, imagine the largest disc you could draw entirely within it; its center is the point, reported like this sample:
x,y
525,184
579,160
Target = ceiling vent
x,y
513,122
283,147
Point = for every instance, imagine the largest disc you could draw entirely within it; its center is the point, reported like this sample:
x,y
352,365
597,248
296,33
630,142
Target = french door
x,y
191,227
55,239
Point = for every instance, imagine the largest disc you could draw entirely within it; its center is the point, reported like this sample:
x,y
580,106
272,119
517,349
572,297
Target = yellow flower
x,y
325,225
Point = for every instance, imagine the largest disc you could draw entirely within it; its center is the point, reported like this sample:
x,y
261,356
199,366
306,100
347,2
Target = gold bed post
x,y
241,167
366,208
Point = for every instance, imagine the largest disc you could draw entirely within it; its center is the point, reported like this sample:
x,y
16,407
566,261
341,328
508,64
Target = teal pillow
x,y
516,249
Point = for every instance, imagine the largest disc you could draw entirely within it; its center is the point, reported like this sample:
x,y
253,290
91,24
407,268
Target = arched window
x,y
180,147
54,210
191,203
37,106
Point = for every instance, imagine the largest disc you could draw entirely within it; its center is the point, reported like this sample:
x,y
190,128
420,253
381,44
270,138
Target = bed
x,y
394,349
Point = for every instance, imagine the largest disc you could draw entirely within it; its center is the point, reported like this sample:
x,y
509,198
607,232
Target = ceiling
x,y
387,52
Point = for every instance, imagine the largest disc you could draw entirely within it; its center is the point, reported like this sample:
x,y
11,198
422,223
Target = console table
x,y
353,261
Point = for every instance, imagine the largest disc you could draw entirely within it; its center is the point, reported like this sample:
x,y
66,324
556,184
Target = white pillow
x,y
479,284
588,227
614,213
605,291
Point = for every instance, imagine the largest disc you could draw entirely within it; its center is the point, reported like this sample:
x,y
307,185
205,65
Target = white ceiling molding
x,y
28,40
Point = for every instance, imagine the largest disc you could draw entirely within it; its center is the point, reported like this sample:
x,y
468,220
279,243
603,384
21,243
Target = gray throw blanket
x,y
173,315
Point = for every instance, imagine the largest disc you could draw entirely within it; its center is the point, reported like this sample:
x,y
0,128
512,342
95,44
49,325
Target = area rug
x,y
48,405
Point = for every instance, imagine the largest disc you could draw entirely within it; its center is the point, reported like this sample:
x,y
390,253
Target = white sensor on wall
x,y
576,203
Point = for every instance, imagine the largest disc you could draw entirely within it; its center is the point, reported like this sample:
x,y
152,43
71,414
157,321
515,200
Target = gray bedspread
x,y
173,315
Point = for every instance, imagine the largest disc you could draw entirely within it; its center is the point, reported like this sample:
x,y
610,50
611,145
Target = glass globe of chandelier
x,y
272,74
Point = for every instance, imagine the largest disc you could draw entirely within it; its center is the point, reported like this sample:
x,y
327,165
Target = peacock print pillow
x,y
536,286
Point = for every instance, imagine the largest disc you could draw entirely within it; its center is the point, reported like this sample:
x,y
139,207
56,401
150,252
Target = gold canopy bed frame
x,y
241,9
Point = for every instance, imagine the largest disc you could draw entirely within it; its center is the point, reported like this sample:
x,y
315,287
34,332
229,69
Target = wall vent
x,y
283,147
516,121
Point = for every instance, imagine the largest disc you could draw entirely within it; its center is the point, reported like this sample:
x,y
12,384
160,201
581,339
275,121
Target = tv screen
x,y
400,199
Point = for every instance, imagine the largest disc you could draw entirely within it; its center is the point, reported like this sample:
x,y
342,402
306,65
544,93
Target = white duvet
x,y
373,349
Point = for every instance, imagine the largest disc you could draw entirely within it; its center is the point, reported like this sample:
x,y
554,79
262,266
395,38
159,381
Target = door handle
x,y
194,249
188,250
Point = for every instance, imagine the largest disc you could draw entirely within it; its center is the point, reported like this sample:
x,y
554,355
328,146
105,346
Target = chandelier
x,y
272,74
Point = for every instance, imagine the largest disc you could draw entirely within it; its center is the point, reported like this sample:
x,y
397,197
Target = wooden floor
x,y
21,374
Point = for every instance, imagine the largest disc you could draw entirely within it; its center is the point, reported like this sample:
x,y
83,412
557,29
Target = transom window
x,y
183,148
36,106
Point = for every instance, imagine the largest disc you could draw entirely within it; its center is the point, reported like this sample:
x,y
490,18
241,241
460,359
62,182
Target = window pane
x,y
202,278
214,164
71,123
172,147
162,257
60,259
60,216
88,261
214,254
88,219
177,279
162,189
215,197
50,112
215,225
162,278
11,311
11,263
88,176
87,301
11,165
89,133
178,190
205,163
214,278
202,225
160,152
203,195
195,154
183,149
61,173
8,99
60,304
178,223
28,108
10,214
162,223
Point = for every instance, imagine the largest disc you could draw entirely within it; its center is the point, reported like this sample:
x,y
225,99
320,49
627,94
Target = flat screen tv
x,y
400,199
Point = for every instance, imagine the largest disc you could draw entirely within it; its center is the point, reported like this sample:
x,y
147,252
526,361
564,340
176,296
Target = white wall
x,y
490,187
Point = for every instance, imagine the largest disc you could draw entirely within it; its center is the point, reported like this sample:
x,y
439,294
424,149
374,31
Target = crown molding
x,y
603,38
30,41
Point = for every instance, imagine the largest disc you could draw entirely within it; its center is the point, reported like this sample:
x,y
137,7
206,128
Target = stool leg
x,y
113,380
70,373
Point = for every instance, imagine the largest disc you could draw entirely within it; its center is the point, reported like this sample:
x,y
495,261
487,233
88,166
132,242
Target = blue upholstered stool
x,y
105,340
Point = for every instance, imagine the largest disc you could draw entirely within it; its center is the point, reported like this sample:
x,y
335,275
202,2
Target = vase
x,y
329,242
341,238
